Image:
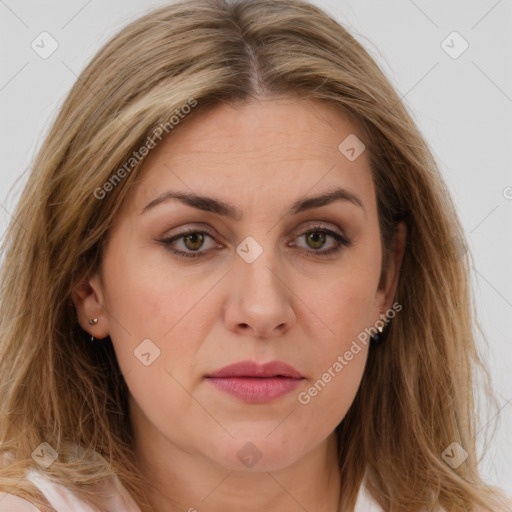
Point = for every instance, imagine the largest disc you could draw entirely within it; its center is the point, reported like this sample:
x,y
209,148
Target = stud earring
x,y
93,321
375,338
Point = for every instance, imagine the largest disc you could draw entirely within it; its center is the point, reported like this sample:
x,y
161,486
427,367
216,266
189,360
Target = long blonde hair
x,y
416,395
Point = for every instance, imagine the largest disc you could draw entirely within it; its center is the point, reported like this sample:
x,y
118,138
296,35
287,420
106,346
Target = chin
x,y
256,453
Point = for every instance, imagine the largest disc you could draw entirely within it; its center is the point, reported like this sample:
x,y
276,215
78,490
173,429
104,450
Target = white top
x,y
62,499
117,498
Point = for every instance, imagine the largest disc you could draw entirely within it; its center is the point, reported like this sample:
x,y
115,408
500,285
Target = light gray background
x,y
462,105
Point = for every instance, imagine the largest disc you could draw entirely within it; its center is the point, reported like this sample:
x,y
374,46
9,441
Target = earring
x,y
93,321
375,338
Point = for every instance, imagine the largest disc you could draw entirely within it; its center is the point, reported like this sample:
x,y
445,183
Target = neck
x,y
185,481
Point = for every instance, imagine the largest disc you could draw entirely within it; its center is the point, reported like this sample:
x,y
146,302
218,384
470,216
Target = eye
x,y
317,236
193,240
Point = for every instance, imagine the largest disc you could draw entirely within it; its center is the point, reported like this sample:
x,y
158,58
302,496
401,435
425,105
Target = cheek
x,y
146,294
338,360
154,308
346,304
347,314
333,389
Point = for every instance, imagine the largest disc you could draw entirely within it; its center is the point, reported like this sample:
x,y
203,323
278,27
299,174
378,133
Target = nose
x,y
259,302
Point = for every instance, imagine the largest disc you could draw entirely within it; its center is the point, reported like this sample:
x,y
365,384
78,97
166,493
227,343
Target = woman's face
x,y
263,275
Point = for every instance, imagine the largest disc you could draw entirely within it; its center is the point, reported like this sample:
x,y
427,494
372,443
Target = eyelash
x,y
342,242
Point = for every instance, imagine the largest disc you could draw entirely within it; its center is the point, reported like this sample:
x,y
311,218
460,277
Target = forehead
x,y
266,150
256,128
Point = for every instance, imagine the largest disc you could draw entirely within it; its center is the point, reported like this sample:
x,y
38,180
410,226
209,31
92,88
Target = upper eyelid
x,y
300,232
318,224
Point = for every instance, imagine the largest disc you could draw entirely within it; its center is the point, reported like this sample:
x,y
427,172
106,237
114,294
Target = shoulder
x,y
12,503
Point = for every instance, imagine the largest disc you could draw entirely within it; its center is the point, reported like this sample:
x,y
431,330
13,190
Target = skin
x,y
204,313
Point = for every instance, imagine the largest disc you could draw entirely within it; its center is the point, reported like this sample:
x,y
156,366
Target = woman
x,y
324,359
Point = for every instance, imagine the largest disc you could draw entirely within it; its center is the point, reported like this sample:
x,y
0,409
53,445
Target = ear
x,y
388,285
88,297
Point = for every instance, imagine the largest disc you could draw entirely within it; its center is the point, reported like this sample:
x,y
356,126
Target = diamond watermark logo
x,y
249,455
454,455
249,250
454,45
351,147
147,352
45,455
44,45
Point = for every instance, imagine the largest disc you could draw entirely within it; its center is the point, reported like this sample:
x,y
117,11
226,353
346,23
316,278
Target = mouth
x,y
254,383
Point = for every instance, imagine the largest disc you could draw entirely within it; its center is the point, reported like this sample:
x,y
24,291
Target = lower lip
x,y
256,390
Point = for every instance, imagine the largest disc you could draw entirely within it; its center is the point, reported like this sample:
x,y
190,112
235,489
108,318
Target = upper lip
x,y
253,369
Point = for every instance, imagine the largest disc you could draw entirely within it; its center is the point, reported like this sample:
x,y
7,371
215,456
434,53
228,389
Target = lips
x,y
255,383
253,369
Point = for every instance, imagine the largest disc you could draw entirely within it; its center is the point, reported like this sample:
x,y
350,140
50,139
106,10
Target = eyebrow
x,y
227,210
